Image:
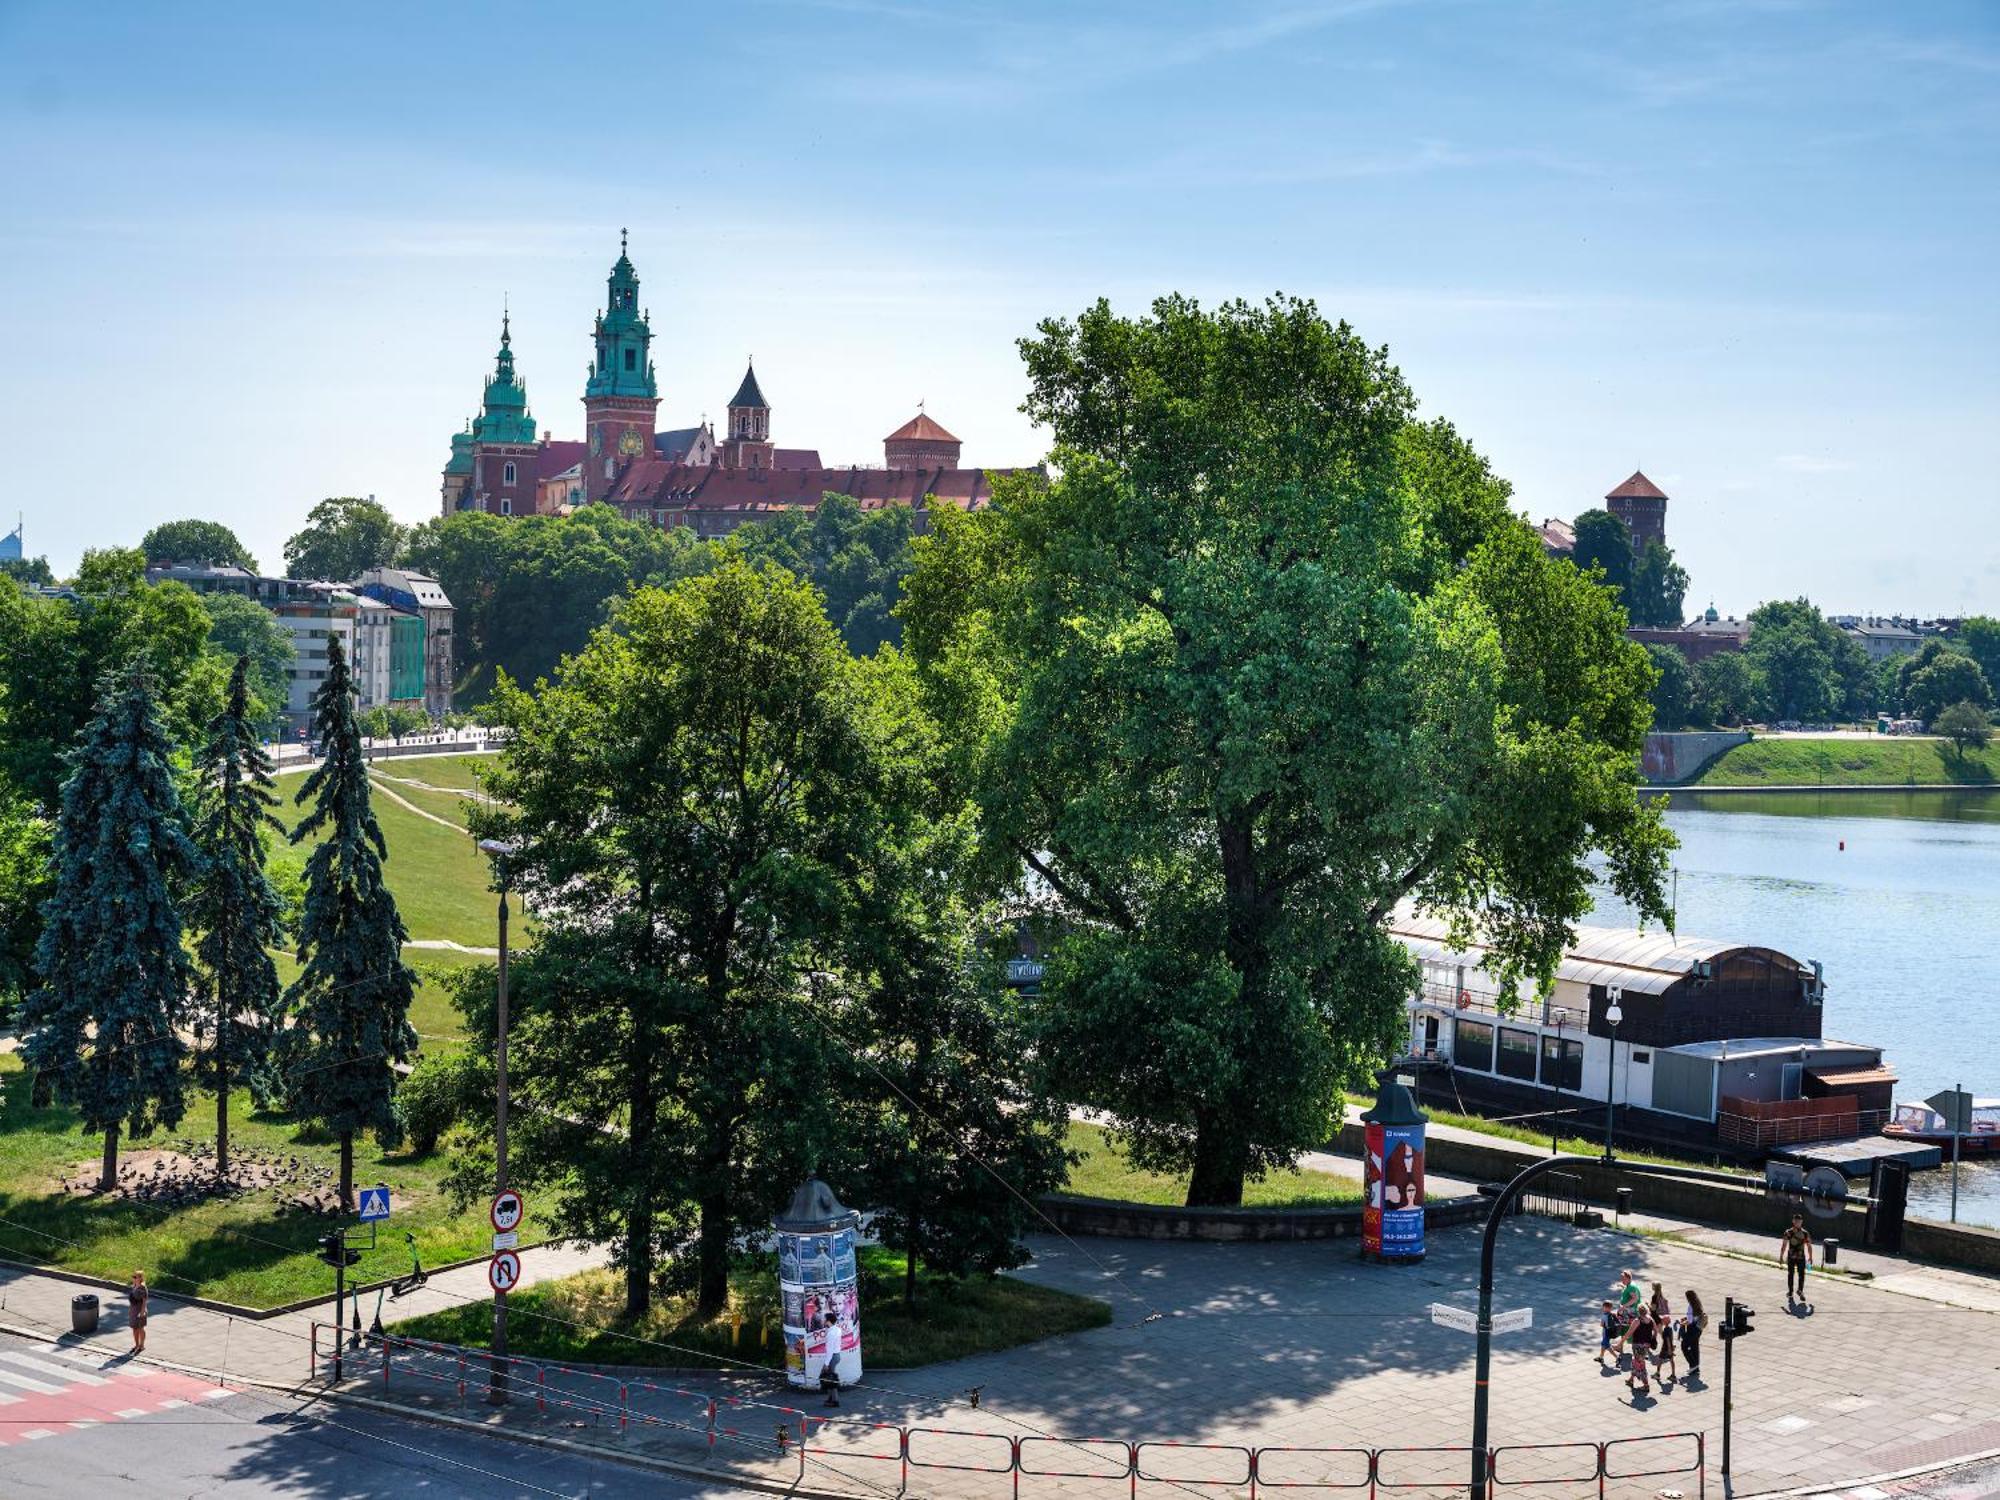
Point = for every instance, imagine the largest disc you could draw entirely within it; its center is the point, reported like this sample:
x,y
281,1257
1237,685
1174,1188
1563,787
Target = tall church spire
x,y
504,416
620,397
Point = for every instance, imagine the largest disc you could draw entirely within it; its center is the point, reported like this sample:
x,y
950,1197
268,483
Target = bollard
x,y
1624,1202
736,1328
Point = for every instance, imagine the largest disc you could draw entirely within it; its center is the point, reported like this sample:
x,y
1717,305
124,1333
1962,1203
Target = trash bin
x,y
1830,1249
83,1312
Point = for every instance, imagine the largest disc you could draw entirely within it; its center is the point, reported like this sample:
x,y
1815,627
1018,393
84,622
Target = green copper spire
x,y
624,367
505,417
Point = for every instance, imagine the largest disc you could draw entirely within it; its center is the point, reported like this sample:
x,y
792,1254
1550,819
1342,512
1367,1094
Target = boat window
x,y
1472,1045
1562,1069
1517,1054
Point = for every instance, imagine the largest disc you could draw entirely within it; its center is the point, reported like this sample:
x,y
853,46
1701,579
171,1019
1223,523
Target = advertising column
x,y
1392,1216
819,1285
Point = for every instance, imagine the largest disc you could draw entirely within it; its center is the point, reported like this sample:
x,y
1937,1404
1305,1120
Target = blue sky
x,y
252,255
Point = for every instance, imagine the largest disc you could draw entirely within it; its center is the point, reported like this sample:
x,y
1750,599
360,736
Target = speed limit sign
x,y
503,1272
507,1210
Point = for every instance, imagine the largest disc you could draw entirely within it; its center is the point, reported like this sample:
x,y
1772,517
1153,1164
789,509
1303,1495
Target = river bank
x,y
1846,761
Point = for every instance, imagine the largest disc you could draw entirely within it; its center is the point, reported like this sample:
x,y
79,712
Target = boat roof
x,y
1770,1046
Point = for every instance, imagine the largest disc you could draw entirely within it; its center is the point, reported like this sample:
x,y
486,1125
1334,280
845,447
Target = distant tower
x,y
920,443
748,445
1642,506
620,400
505,455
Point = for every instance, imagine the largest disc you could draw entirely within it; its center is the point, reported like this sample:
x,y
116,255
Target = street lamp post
x,y
500,852
1612,1016
1555,1108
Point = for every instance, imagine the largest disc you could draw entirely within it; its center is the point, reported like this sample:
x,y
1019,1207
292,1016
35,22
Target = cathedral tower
x,y
505,456
620,400
748,445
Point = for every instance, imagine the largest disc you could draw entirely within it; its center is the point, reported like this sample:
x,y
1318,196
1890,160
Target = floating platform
x,y
1857,1158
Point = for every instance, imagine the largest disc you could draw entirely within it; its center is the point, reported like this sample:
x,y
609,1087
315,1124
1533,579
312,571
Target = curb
x,y
1951,1466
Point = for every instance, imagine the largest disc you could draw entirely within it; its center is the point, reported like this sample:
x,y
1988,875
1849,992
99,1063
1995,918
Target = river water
x,y
1898,895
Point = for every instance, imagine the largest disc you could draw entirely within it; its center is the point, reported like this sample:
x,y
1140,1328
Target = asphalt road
x,y
74,1428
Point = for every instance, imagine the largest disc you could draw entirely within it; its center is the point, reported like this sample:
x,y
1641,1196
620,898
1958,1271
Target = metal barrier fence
x,y
880,1458
1558,1195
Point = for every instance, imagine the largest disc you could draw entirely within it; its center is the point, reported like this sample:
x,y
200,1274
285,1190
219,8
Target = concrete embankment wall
x,y
1154,1221
1670,758
1457,1154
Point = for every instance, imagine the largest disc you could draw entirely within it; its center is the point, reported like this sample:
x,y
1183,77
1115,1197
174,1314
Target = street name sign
x,y
503,1272
507,1210
374,1204
1515,1321
1464,1319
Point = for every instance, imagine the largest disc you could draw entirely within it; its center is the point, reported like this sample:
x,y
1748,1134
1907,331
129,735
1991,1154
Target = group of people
x,y
1647,1328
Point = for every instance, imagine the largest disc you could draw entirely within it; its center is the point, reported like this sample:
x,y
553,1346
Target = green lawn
x,y
436,1019
1885,761
458,772
439,878
952,1319
449,805
1104,1172
238,1250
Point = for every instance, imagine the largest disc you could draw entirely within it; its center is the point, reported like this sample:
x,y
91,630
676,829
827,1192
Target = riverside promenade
x,y
1292,1347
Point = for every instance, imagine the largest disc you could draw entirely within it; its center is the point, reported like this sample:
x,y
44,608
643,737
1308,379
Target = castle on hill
x,y
503,464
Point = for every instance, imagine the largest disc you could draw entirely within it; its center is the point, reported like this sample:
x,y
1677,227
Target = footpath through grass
x,y
581,1318
1104,1171
1887,761
242,1249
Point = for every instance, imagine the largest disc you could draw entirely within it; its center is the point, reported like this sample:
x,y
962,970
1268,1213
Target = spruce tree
x,y
350,1005
101,1031
233,907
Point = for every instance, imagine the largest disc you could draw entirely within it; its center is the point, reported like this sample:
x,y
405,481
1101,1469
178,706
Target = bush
x,y
438,1092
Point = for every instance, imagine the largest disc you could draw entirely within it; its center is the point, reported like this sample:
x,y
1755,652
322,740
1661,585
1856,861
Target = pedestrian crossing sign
x,y
374,1204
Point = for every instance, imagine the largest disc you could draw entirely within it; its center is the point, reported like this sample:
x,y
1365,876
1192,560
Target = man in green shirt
x,y
1795,1250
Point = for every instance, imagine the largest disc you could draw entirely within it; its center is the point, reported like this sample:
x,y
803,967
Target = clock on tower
x,y
631,443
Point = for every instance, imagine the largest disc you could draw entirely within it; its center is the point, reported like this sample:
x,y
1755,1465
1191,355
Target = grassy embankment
x,y
241,1249
1103,1172
1887,761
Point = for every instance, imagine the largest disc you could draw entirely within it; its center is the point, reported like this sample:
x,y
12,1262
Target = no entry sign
x,y
503,1272
507,1210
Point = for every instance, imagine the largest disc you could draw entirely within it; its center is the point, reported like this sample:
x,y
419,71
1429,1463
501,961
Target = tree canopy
x,y
240,627
1794,656
1266,659
1950,678
1966,725
196,542
857,559
1673,694
1603,541
343,537
1658,591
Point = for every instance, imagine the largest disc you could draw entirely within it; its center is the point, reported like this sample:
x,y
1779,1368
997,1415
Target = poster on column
x,y
1392,1217
819,1288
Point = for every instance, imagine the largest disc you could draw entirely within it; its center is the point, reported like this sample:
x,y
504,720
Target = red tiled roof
x,y
795,458
649,484
1638,487
555,457
920,428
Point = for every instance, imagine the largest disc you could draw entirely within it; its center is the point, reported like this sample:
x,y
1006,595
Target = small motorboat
x,y
1919,1122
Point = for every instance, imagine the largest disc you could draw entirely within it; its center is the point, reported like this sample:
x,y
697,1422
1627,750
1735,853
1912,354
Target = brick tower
x,y
620,400
920,443
748,445
1642,506
505,456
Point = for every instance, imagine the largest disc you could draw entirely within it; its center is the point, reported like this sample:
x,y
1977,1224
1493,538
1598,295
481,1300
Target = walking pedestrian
x,y
137,1295
1643,1337
1608,1329
1629,1300
1795,1249
1661,1311
1692,1324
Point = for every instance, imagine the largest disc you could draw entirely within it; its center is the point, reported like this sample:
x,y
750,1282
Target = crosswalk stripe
x,y
8,1398
217,1394
130,1412
43,1367
38,1432
39,1387
170,1405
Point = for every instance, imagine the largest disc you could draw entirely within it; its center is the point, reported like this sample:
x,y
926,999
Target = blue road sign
x,y
374,1204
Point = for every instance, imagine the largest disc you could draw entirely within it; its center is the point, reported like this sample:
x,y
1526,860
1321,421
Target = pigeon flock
x,y
186,1175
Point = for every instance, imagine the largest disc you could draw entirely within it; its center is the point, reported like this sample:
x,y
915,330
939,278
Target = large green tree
x,y
102,1031
343,537
1926,656
1603,541
233,908
349,1008
1979,635
856,558
687,796
1266,659
196,542
1657,594
24,886
1950,679
30,570
1673,695
240,627
1794,654
1725,692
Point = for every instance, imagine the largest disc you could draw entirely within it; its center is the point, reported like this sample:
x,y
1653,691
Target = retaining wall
x,y
1158,1221
1669,758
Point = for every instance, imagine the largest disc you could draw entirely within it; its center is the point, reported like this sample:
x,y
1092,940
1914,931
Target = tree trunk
x,y
639,1255
713,1294
1221,1159
107,1177
642,1120
221,1121
347,1171
910,1269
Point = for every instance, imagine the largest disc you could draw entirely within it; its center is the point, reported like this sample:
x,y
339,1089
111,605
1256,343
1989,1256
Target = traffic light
x,y
334,1251
1737,1322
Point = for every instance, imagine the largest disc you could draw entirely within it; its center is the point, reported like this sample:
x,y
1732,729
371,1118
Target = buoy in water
x,y
1843,845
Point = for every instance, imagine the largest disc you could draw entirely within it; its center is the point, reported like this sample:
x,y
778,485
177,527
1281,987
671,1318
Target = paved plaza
x,y
1293,1346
